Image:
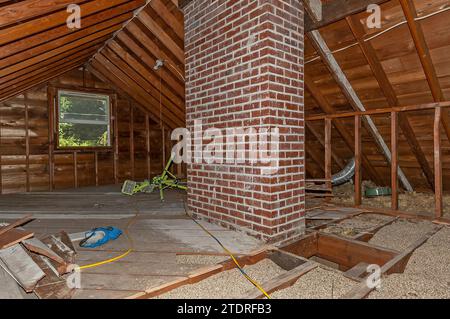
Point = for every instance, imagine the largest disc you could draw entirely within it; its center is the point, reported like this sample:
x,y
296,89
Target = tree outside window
x,y
83,120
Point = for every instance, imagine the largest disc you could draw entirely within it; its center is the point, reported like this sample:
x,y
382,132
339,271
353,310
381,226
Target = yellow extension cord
x,y
130,240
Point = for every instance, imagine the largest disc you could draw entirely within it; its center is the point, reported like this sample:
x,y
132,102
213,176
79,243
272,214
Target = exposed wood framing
x,y
386,86
425,58
340,127
339,162
394,163
358,153
395,265
336,10
349,92
328,173
438,163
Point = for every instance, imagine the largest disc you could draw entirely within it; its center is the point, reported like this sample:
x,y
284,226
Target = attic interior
x,y
93,204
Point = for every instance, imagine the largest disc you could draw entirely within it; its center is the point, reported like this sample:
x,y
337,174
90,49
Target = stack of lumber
x,y
31,266
319,188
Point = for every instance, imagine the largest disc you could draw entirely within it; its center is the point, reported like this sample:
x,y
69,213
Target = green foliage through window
x,y
83,120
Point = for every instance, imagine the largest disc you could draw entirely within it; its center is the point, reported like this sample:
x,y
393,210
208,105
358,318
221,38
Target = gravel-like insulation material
x,y
427,275
319,283
228,284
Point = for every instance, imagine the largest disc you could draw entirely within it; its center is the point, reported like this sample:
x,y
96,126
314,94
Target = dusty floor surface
x,y
427,274
319,283
409,202
357,225
228,284
200,259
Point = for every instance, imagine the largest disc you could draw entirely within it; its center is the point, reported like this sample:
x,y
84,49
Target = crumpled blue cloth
x,y
111,233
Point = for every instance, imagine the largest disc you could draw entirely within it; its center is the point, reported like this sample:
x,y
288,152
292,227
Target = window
x,y
83,120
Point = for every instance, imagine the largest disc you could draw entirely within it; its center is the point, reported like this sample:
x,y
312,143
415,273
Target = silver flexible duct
x,y
345,175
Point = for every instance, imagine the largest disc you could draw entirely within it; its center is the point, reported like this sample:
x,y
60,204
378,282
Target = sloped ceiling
x,y
36,46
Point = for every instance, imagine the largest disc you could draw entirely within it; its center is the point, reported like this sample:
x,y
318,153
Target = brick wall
x,y
244,68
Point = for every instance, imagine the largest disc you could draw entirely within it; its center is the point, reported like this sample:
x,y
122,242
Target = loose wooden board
x,y
14,236
17,261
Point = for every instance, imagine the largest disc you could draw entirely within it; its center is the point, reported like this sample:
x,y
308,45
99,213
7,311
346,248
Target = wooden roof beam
x,y
341,79
425,58
153,48
99,36
83,48
320,139
28,28
24,10
332,11
38,81
386,86
168,77
141,80
162,36
67,39
62,30
336,10
340,127
116,75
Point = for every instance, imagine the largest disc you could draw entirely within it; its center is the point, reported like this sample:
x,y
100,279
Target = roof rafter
x,y
386,86
340,127
425,58
341,79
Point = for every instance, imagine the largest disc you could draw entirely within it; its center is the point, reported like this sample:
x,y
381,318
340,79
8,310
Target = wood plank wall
x,y
29,163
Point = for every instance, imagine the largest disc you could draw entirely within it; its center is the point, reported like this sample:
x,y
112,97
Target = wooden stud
x,y
352,97
96,168
328,173
163,136
394,162
27,143
116,142
339,162
388,91
132,140
51,131
340,127
1,152
147,141
358,154
423,52
438,163
75,169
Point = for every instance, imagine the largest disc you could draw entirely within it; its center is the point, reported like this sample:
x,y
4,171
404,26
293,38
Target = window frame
x,y
85,93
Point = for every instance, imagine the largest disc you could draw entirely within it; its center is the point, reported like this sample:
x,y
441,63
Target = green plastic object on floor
x,y
167,180
378,191
164,181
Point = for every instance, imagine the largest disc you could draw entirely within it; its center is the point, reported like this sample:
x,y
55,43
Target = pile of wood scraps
x,y
32,267
319,188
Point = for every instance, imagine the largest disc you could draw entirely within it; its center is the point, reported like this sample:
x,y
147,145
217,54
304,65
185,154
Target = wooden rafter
x,y
320,139
341,79
425,58
336,10
386,86
39,45
340,127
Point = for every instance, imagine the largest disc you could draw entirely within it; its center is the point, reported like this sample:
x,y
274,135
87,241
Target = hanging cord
x,y
254,282
381,33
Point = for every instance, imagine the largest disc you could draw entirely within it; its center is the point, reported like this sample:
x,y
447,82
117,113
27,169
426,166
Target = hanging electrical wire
x,y
369,38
